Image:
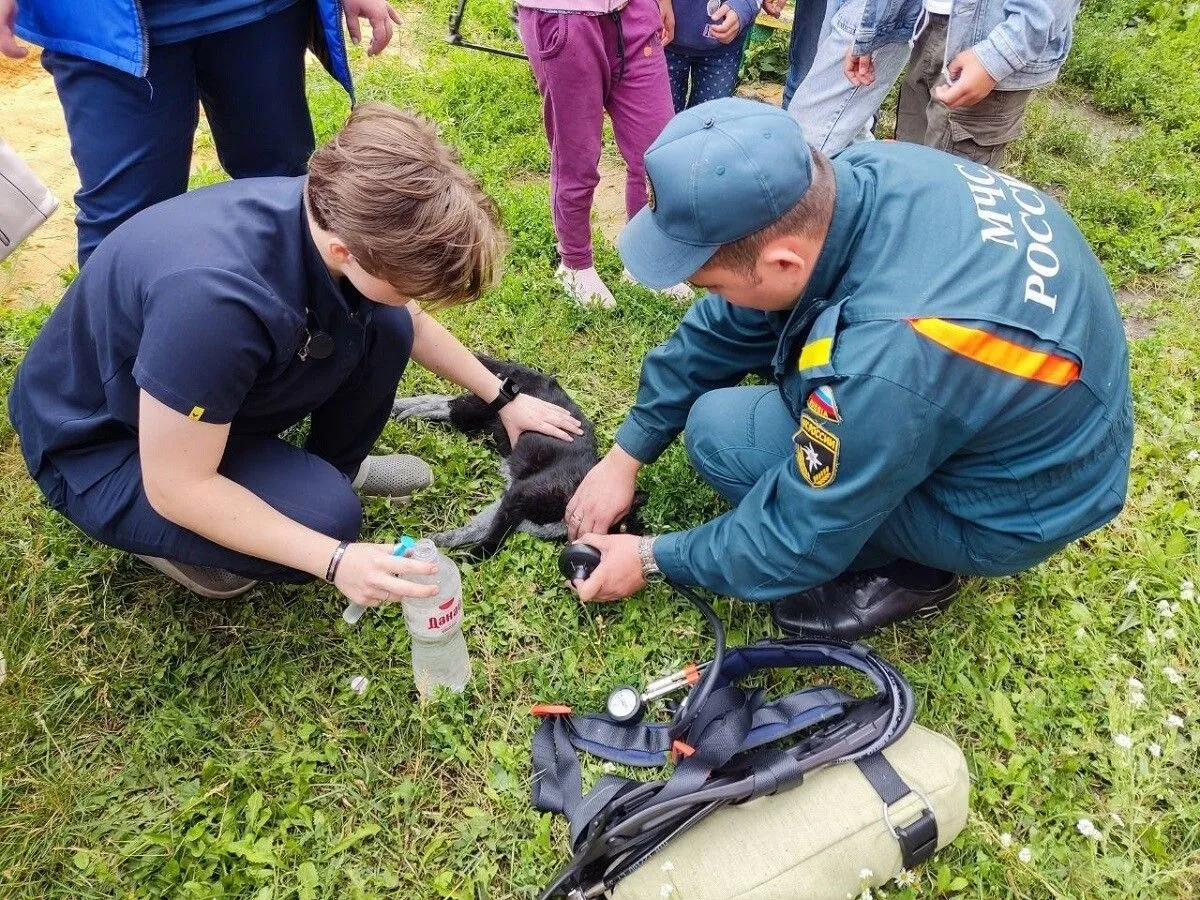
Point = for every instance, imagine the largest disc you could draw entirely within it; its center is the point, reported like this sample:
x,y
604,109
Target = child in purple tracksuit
x,y
704,58
589,56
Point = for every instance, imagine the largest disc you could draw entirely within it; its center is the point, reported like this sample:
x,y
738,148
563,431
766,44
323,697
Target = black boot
x,y
855,604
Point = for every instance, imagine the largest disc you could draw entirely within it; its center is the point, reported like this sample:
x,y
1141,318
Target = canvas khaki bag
x,y
812,841
25,203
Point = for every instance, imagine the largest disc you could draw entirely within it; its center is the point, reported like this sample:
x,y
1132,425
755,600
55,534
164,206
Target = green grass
x,y
155,744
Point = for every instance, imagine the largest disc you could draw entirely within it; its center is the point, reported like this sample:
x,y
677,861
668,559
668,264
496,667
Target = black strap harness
x,y
729,744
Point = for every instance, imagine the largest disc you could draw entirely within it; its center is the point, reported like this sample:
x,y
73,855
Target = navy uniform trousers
x,y
131,138
310,485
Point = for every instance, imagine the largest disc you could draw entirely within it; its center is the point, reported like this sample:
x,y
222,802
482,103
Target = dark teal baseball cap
x,y
718,173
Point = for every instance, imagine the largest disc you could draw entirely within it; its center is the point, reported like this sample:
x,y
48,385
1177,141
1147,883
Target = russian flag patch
x,y
821,403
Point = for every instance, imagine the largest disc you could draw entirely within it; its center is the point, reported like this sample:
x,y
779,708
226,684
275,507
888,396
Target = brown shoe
x,y
215,583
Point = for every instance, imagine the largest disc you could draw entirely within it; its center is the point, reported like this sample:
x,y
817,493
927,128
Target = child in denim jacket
x,y
973,68
704,58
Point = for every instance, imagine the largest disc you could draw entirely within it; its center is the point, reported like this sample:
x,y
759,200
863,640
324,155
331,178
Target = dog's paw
x,y
435,407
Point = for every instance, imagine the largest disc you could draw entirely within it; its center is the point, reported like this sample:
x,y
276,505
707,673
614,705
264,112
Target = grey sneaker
x,y
215,583
394,475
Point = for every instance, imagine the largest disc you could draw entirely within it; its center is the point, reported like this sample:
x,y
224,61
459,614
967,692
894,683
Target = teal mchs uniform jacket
x,y
957,359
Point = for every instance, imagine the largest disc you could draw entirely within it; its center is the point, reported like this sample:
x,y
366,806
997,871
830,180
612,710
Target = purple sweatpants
x,y
584,65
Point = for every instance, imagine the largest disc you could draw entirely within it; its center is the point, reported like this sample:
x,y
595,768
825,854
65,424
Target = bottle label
x,y
446,615
433,622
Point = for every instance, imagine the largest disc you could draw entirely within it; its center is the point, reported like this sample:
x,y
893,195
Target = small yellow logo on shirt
x,y
196,413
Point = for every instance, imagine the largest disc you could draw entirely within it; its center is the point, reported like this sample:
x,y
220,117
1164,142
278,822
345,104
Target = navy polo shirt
x,y
205,301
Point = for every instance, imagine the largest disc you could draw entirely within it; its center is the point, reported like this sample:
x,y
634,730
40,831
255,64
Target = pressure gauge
x,y
625,704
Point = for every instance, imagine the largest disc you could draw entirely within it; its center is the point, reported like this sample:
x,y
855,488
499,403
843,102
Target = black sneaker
x,y
855,604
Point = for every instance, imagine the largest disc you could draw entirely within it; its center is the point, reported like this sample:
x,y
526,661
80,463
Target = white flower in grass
x,y
1080,633
1193,455
1025,855
1155,750
906,878
866,895
1137,698
1164,609
1135,684
666,890
865,874
1172,674
1116,818
1088,829
1131,585
1123,741
1169,634
1187,591
668,866
1174,721
1006,840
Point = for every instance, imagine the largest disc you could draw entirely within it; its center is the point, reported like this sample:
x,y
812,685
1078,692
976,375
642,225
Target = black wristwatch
x,y
508,393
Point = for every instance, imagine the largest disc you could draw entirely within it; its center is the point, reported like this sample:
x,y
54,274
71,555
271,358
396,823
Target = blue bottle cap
x,y
407,542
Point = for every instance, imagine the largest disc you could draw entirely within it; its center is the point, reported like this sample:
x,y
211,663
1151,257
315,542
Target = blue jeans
x,y
734,436
833,112
698,79
131,138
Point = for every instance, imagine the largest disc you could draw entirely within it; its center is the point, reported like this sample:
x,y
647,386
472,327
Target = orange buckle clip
x,y
690,673
550,709
680,749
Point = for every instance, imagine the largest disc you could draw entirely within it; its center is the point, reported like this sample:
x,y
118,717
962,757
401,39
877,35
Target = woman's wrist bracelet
x,y
335,561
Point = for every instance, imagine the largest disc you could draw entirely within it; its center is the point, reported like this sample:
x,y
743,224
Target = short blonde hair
x,y
408,211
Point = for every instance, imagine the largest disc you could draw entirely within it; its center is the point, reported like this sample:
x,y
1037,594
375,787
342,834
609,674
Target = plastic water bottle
x,y
439,650
353,612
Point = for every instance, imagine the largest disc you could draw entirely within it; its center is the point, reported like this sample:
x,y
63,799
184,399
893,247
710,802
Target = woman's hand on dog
x,y
619,573
369,575
604,496
527,413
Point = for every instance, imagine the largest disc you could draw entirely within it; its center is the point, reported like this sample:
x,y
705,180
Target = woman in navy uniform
x,y
151,405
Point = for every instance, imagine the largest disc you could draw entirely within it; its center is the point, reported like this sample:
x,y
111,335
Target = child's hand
x,y
726,24
970,82
774,7
379,13
859,70
666,34
527,413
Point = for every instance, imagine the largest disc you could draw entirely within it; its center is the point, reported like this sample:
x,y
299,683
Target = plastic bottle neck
x,y
425,550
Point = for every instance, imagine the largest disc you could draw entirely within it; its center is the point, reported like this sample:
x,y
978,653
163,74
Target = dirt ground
x,y
31,121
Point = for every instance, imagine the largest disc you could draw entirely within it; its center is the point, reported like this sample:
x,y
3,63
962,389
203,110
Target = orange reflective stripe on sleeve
x,y
990,350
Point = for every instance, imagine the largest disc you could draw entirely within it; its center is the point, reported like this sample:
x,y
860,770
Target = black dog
x,y
540,474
